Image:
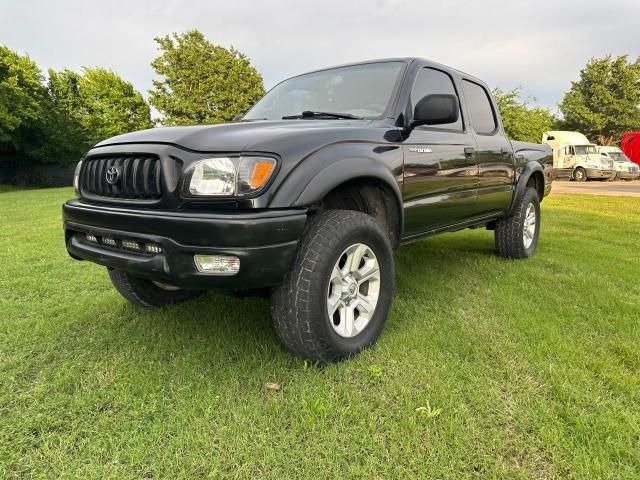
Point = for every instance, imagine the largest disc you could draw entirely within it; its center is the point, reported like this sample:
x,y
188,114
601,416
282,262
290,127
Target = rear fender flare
x,y
529,169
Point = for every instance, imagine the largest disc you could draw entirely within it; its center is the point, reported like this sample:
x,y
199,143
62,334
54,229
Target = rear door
x,y
441,172
495,153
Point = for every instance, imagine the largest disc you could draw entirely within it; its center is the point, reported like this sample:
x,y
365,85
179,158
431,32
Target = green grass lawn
x,y
487,367
8,188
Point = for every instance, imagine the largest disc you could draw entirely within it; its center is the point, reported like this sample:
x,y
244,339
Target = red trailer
x,y
630,145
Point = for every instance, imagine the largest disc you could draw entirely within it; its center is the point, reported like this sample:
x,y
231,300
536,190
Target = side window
x,y
482,116
430,81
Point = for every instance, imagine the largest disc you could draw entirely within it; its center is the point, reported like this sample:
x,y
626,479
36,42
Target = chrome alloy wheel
x,y
353,291
529,230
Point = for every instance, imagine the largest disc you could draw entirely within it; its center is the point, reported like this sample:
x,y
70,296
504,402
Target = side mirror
x,y
237,118
436,109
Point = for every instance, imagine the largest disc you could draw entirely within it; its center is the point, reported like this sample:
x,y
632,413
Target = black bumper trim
x,y
250,237
194,227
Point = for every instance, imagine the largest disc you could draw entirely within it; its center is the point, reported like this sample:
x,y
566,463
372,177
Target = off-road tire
x,y
509,230
299,308
145,293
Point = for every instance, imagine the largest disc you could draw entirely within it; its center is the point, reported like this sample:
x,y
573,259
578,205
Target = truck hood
x,y
258,136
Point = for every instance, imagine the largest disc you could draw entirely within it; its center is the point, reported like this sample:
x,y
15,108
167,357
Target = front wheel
x,y
516,236
147,293
335,299
580,175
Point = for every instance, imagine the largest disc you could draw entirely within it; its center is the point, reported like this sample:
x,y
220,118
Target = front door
x,y
441,170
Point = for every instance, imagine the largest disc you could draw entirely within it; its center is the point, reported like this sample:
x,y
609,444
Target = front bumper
x,y
627,175
265,242
598,173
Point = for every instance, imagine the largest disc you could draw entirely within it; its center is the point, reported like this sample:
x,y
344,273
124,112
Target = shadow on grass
x,y
217,331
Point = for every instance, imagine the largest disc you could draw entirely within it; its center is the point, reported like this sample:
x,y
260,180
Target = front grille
x,y
131,177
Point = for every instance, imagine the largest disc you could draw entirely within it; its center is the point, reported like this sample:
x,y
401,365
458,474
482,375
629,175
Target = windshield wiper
x,y
310,114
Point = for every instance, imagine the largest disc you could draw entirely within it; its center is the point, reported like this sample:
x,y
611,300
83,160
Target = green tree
x,y
202,82
22,101
522,121
111,105
67,137
59,121
95,105
605,101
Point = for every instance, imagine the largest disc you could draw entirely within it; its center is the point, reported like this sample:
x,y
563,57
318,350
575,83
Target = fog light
x,y
109,241
217,264
152,248
130,245
91,238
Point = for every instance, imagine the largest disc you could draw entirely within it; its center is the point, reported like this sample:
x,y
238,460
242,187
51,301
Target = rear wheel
x,y
335,299
580,175
516,236
148,293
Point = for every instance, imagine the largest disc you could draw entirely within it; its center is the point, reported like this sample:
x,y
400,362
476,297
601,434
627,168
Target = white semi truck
x,y
575,157
625,168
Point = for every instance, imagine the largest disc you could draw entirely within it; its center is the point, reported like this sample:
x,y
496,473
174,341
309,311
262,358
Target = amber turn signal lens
x,y
260,175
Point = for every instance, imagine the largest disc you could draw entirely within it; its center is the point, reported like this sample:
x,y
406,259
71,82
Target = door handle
x,y
505,152
469,152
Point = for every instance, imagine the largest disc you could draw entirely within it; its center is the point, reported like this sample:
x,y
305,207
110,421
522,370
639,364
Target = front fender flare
x,y
310,182
343,171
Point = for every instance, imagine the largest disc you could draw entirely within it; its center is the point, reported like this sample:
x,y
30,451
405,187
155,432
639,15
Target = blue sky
x,y
539,45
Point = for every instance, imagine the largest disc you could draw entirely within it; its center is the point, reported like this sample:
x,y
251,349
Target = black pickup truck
x,y
306,196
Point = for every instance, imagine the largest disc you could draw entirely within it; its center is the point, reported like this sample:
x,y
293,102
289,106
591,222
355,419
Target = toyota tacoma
x,y
306,196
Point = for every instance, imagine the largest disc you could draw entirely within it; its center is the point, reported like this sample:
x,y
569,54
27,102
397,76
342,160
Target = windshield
x,y
585,149
618,156
358,90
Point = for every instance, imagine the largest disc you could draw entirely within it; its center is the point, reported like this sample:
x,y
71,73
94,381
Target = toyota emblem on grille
x,y
113,175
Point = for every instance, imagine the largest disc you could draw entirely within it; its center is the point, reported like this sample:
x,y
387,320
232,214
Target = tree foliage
x,y
202,82
604,102
100,101
68,139
522,121
58,121
22,97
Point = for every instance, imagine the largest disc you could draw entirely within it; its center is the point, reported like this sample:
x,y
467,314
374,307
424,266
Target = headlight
x,y
76,177
213,176
228,176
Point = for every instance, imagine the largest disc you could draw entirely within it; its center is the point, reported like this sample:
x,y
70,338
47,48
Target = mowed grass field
x,y
488,368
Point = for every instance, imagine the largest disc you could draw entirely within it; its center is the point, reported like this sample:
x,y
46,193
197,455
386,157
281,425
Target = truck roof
x,y
569,138
406,60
